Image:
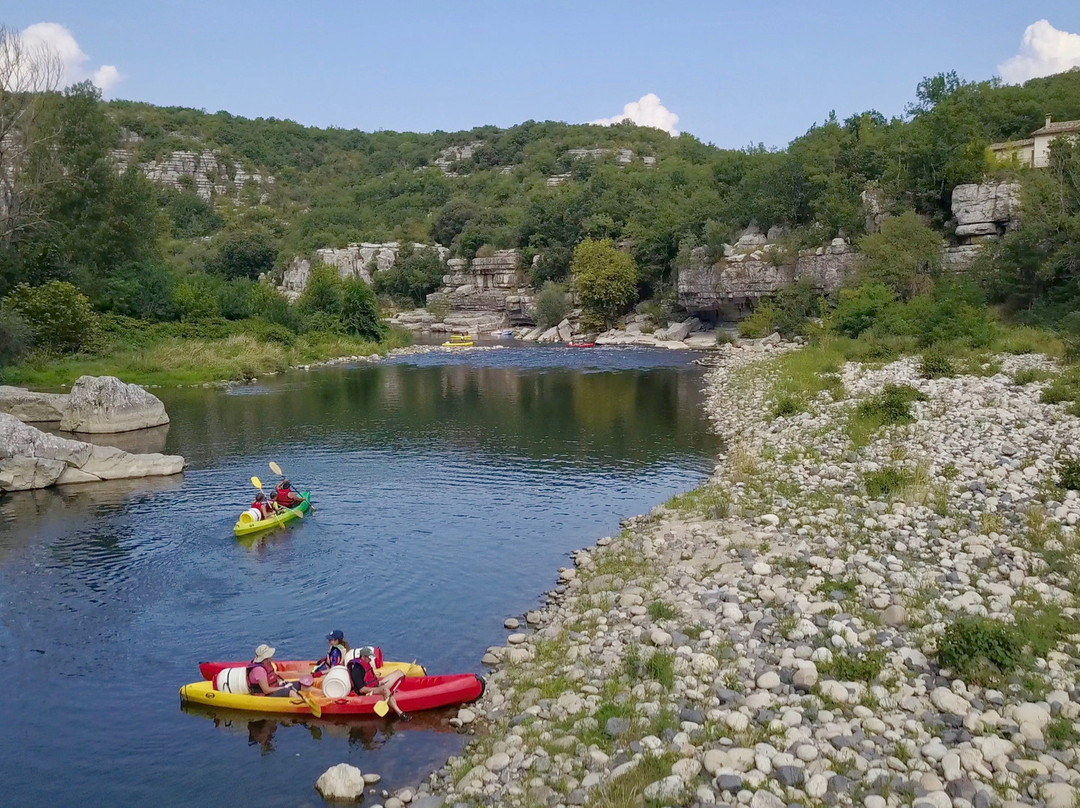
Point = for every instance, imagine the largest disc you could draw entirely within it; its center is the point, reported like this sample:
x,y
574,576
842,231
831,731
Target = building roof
x,y
1012,144
1058,128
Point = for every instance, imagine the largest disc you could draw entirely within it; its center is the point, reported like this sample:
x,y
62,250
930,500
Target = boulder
x,y
30,458
565,331
677,332
32,407
341,782
106,404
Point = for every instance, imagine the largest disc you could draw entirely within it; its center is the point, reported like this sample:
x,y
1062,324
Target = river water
x,y
448,488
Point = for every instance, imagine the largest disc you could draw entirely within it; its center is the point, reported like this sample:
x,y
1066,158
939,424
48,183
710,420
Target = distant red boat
x,y
581,345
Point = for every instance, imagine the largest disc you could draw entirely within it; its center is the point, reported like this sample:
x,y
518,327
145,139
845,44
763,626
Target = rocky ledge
x,y
779,636
30,458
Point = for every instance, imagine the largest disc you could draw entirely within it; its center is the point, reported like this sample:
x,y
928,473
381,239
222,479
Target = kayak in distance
x,y
251,522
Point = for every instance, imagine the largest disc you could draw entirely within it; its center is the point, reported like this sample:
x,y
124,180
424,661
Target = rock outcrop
x,y
33,407
341,782
105,404
985,210
30,458
202,172
360,260
751,270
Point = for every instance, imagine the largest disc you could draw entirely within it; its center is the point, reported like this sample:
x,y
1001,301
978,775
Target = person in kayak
x,y
263,505
366,682
335,656
285,496
263,680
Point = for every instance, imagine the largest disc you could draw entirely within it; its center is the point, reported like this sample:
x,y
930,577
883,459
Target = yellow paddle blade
x,y
255,481
316,709
381,708
274,467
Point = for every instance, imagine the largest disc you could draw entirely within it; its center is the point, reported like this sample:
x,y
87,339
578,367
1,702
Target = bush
x,y
359,312
267,303
759,323
606,279
58,316
245,253
936,365
14,337
322,293
862,308
786,405
196,297
904,256
887,483
979,649
865,667
234,299
552,305
413,277
892,405
1069,475
951,313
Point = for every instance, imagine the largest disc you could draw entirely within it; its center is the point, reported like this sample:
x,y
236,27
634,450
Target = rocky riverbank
x,y
848,613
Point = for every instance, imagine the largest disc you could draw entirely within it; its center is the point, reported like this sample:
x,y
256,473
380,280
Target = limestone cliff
x,y
361,260
985,210
203,172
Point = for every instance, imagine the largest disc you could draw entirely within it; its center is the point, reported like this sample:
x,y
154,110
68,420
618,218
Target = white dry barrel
x,y
336,684
232,680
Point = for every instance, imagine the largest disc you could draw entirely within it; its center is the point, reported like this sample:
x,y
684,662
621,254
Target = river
x,y
448,489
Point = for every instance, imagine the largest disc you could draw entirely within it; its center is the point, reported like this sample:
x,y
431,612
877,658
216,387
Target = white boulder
x,y
341,782
106,404
32,407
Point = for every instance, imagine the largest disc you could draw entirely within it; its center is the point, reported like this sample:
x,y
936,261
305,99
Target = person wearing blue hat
x,y
335,656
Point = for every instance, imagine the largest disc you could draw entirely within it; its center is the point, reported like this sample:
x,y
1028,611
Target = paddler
x,y
365,681
263,680
336,655
263,505
285,496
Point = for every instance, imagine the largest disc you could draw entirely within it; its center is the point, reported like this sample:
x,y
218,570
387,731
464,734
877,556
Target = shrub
x,y
724,337
658,610
784,406
196,297
606,279
1030,375
323,291
936,365
359,310
862,308
58,316
551,305
887,482
245,253
904,256
267,303
951,313
14,337
865,667
892,405
760,323
1069,475
414,276
661,667
979,649
438,308
234,299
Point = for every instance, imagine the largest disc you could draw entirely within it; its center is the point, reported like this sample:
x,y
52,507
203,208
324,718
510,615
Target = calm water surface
x,y
448,488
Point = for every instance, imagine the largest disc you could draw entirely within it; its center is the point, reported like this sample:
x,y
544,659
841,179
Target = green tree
x,y
245,252
905,256
414,276
606,279
551,305
359,312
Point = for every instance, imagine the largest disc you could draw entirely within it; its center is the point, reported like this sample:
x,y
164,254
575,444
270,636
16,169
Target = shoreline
x,y
780,634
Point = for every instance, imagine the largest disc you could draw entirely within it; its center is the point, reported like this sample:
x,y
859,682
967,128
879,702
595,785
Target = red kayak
x,y
413,693
581,345
293,668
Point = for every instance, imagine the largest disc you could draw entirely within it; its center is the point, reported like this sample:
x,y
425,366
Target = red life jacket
x,y
283,496
362,674
272,679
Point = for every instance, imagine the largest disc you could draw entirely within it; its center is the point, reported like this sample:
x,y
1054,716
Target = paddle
x,y
255,481
316,709
274,467
382,706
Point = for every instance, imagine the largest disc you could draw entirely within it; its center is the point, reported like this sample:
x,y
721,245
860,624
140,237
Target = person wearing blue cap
x,y
335,656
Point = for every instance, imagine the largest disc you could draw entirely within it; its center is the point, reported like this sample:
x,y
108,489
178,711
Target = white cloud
x,y
1044,50
59,41
646,111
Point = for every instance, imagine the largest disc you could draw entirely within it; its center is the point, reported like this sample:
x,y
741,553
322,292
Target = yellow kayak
x,y
458,341
246,525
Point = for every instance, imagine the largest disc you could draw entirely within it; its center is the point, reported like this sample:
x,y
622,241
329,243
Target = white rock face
x,y
32,407
985,209
101,404
341,782
30,458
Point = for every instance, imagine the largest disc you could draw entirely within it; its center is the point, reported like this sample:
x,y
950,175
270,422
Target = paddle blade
x,y
274,467
316,708
255,481
381,708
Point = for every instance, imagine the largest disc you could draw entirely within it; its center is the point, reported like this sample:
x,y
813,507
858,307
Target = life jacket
x,y
272,678
362,674
336,655
283,496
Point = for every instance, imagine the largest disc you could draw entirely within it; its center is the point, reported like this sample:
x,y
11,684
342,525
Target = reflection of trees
x,y
641,415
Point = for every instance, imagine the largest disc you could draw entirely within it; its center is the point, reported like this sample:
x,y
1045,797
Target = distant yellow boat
x,y
459,341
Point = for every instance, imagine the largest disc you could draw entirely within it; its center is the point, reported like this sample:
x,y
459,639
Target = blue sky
x,y
734,72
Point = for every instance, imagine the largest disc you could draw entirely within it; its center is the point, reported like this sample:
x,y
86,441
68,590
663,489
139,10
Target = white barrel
x,y
336,684
250,515
232,680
